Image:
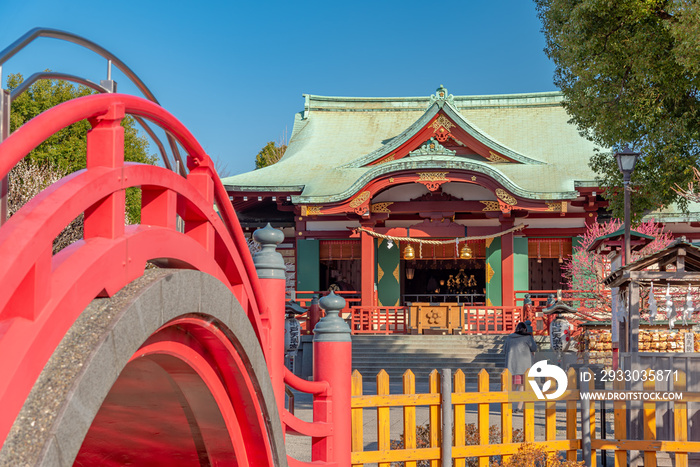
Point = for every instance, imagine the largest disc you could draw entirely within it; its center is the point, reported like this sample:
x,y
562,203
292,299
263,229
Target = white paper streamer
x,y
652,305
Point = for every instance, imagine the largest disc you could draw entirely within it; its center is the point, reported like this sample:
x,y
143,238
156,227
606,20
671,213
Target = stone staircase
x,y
424,353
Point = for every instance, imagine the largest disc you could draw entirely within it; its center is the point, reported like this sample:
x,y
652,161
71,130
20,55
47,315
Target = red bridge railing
x,y
43,294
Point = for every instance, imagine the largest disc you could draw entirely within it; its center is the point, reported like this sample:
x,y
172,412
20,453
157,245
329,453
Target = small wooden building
x,y
677,265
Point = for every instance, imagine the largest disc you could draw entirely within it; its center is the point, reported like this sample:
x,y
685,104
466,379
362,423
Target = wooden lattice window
x,y
340,250
541,248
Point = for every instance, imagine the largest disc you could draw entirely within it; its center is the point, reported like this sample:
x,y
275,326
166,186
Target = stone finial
x,y
268,262
332,328
550,301
441,96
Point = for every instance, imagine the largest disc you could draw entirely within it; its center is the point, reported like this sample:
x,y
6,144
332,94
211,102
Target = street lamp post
x,y
626,160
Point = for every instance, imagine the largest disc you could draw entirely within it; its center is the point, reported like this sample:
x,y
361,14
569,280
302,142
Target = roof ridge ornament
x,y
432,147
441,96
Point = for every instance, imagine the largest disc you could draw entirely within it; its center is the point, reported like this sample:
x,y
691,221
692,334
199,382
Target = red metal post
x,y
333,364
270,267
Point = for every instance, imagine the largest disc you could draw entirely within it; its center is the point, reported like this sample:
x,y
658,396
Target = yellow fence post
x,y
483,416
383,417
528,412
435,422
409,416
357,419
572,454
680,419
550,420
649,410
591,388
459,416
620,424
506,411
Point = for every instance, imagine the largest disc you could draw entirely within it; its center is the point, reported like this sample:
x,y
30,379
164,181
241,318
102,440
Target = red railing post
x,y
270,267
313,314
198,227
333,363
105,148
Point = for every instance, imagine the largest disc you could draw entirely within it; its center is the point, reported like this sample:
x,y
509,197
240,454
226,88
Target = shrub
x,y
530,455
471,439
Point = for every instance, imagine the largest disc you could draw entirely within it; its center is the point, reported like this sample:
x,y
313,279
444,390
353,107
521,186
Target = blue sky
x,y
234,72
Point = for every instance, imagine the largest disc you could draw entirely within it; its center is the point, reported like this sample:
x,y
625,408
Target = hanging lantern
x,y
410,272
408,252
561,251
465,252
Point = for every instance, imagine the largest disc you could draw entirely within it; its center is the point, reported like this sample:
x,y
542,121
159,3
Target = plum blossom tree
x,y
586,270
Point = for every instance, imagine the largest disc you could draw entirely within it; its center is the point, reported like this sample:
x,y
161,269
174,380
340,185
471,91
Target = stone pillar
x,y
333,363
270,267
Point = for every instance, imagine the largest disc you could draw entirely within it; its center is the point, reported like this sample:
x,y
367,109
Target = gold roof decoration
x,y
495,158
380,207
360,199
311,210
505,197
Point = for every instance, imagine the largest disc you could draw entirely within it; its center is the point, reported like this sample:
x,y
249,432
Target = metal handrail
x,y
97,87
11,50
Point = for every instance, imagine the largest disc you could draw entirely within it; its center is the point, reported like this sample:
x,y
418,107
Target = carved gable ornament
x,y
441,129
432,180
432,148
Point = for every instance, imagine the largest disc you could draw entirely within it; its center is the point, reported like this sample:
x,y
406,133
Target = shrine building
x,y
507,172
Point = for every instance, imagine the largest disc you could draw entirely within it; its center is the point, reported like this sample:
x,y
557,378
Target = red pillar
x,y
271,272
368,260
333,363
507,266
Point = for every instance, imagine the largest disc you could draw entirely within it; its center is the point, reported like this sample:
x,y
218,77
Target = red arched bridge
x,y
106,362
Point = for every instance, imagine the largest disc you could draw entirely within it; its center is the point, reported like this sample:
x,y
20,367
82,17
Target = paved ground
x,y
300,447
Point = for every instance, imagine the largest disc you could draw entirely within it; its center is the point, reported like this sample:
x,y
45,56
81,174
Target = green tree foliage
x,y
270,154
66,151
630,73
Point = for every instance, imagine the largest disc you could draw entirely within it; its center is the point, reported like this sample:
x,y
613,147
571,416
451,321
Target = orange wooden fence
x,y
410,451
491,319
378,320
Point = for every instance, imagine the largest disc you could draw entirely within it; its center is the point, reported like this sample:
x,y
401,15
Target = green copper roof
x,y
333,137
621,232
